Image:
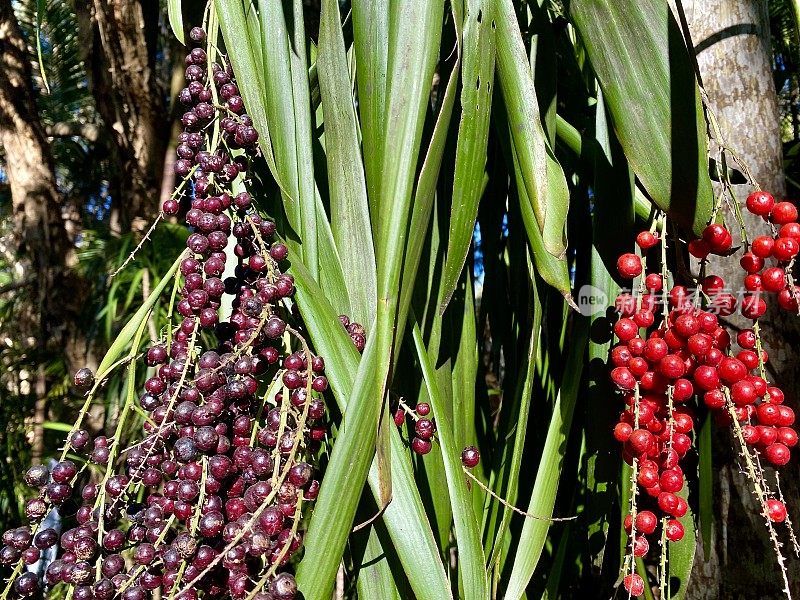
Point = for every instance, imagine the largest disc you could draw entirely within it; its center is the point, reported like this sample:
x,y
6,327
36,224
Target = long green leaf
x,y
370,33
175,14
545,185
374,577
288,107
573,139
344,481
644,69
470,552
350,219
510,458
465,371
551,268
425,191
419,552
245,54
612,228
681,556
534,531
473,136
706,484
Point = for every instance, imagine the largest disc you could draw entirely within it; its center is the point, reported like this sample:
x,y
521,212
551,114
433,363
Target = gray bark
x,y
732,41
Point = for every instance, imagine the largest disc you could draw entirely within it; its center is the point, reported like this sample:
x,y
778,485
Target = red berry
x,y
668,502
683,422
775,395
423,409
785,248
699,248
644,318
638,366
752,263
791,230
717,237
648,477
787,436
752,282
768,414
746,338
629,266
776,510
646,240
655,349
789,299
750,434
731,370
683,507
674,530
671,480
420,446
681,443
713,357
749,358
646,522
778,454
760,203
743,392
753,306
620,356
671,366
762,246
622,431
470,457
653,282
682,390
785,415
783,212
773,279
640,440
636,346
633,584
399,417
623,378
766,435
626,329
699,344
706,377
759,384
640,546
687,325
713,284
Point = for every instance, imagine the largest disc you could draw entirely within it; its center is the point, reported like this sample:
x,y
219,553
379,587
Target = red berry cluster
x,y
685,352
209,501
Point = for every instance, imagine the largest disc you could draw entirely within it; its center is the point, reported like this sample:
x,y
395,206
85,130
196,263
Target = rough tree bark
x,y
119,43
44,248
732,41
51,304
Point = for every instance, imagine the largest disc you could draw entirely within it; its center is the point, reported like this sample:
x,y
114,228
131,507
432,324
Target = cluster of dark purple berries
x,y
209,501
422,426
356,331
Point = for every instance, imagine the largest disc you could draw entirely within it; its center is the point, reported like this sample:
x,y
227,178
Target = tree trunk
x,y
48,314
732,41
119,42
